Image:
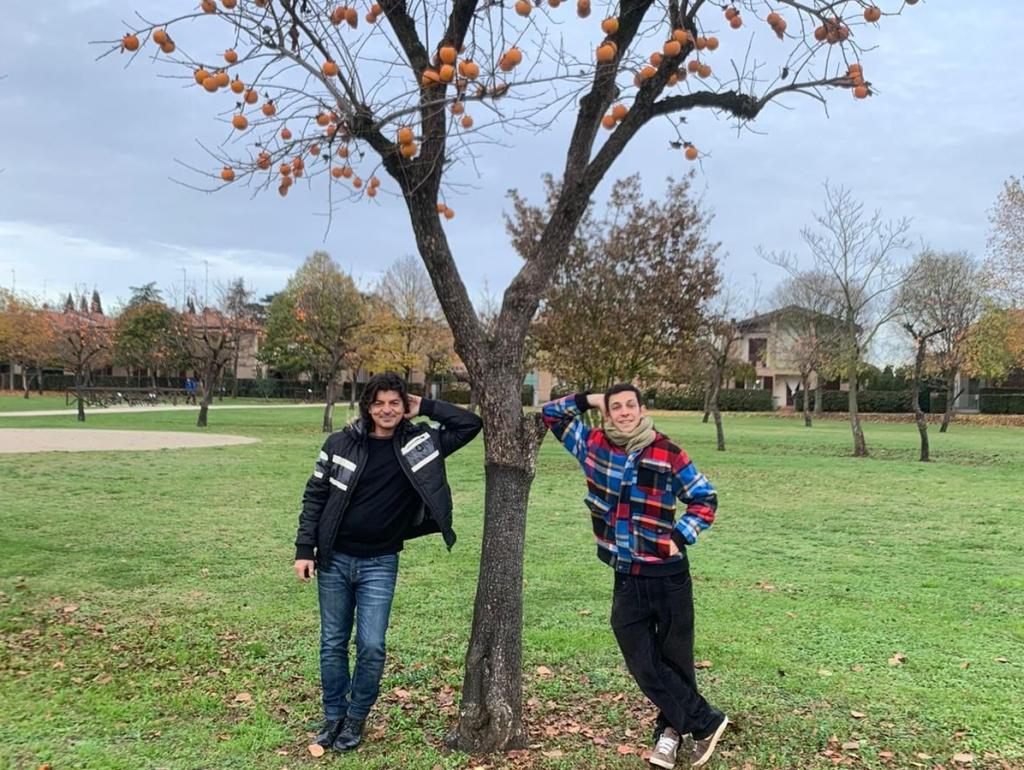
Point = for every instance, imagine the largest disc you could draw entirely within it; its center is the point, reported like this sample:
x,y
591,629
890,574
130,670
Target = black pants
x,y
652,618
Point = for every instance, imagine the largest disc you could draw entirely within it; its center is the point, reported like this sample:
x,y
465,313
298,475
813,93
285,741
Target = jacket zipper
x,y
412,477
351,489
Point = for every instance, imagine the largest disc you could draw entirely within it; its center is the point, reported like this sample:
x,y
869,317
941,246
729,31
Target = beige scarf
x,y
641,435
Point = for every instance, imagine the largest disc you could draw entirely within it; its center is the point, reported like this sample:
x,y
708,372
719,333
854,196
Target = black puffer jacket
x,y
421,449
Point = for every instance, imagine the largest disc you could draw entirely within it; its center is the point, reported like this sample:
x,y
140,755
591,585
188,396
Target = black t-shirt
x,y
383,505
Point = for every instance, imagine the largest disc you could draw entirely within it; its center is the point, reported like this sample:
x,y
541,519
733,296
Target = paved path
x,y
180,408
17,440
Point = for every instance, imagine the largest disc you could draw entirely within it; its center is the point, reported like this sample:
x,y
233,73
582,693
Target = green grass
x,y
12,403
141,593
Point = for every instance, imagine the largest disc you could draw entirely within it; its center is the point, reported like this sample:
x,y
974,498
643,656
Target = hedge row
x,y
458,393
878,401
999,403
680,400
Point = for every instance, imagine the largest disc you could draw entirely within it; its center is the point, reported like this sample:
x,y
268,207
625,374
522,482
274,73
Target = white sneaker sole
x,y
702,760
658,762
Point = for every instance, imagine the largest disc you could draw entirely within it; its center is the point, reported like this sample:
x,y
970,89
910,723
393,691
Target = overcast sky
x,y
89,150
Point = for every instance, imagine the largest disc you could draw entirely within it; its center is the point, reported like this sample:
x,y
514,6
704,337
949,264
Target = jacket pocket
x,y
653,476
599,508
652,535
343,471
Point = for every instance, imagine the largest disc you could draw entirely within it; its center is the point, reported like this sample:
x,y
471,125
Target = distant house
x,y
766,342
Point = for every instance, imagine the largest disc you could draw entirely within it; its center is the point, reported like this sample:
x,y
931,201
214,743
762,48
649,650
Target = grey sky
x,y
89,148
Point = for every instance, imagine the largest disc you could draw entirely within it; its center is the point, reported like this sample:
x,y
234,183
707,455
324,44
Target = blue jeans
x,y
360,589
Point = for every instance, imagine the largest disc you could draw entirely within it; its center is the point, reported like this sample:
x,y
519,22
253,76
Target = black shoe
x,y
351,734
328,732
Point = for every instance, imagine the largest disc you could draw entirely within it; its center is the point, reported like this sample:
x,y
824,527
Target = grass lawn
x,y
149,616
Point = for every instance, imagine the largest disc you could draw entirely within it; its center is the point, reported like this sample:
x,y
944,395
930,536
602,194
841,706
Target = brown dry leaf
x,y
922,755
885,755
282,752
44,766
858,714
544,671
790,614
824,672
851,746
965,665
315,749
702,664
584,613
857,667
553,754
243,697
623,749
69,608
963,758
898,659
401,693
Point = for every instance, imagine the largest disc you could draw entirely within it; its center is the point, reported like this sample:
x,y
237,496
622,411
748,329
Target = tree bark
x,y
819,405
24,381
915,395
234,372
860,447
951,395
78,394
328,425
490,717
209,383
39,379
804,383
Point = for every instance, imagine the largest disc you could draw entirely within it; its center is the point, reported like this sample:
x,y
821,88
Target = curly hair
x,y
377,384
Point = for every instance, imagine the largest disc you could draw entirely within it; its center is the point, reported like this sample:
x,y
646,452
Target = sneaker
x,y
328,732
351,734
665,749
705,747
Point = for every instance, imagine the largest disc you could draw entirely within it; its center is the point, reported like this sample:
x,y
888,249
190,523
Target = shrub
x,y
740,400
1001,403
455,393
527,395
878,401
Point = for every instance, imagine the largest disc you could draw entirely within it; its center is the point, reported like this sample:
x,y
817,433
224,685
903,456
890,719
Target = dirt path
x,y
18,440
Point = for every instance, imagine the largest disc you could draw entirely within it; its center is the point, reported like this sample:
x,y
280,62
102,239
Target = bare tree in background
x,y
1004,268
809,331
81,340
393,97
857,250
406,290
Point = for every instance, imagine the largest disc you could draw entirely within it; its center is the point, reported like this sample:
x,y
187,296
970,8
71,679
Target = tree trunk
x,y
951,395
24,380
352,392
716,413
39,379
209,383
234,372
919,418
490,715
860,447
707,404
328,425
819,400
78,395
804,384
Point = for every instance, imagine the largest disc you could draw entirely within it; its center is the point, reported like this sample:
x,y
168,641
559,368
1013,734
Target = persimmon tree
x,y
81,341
342,98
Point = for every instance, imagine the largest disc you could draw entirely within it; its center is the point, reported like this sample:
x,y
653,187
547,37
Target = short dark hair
x,y
379,383
622,387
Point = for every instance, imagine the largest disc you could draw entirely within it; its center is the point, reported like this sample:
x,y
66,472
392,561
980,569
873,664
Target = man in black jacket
x,y
377,483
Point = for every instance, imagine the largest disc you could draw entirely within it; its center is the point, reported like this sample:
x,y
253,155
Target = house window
x,y
757,351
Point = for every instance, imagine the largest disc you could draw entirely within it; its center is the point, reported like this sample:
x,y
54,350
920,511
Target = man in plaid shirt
x,y
634,477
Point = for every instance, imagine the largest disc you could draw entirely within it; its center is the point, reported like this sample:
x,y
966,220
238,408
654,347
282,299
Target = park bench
x,y
116,396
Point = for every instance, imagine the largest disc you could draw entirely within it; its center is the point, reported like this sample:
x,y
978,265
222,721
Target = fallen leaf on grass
x,y
922,755
623,749
963,758
824,672
69,608
965,665
851,746
553,754
243,697
898,659
1001,660
315,749
584,613
858,714
883,755
544,671
400,693
857,667
702,664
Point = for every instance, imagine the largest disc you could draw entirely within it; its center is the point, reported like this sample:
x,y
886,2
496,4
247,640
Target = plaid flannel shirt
x,y
632,497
